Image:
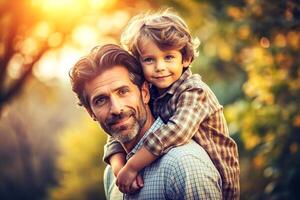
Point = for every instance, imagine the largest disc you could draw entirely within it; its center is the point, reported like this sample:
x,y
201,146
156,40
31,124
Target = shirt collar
x,y
171,90
157,123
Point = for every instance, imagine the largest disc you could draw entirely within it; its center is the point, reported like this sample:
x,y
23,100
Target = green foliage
x,y
267,120
79,164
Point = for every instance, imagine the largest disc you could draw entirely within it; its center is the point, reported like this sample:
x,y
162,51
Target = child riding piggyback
x,y
190,110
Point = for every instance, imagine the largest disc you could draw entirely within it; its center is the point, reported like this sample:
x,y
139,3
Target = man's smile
x,y
122,122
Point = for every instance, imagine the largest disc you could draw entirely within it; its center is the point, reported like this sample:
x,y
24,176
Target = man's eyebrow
x,y
105,95
121,87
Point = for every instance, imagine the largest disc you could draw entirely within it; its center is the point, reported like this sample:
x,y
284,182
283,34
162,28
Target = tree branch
x,y
17,85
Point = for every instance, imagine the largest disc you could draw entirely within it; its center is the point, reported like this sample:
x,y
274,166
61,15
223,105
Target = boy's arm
x,y
129,172
117,162
181,127
112,147
142,158
192,108
137,162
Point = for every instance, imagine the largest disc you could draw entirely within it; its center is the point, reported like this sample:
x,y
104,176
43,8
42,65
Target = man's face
x,y
117,104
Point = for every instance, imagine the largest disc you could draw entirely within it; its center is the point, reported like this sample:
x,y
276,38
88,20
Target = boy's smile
x,y
161,67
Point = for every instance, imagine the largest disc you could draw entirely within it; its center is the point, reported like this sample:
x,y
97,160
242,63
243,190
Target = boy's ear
x,y
186,62
145,92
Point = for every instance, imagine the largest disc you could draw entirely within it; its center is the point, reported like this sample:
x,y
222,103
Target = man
x,y
110,85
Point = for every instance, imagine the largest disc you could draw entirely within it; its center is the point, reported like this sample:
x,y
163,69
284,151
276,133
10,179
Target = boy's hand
x,y
128,180
136,185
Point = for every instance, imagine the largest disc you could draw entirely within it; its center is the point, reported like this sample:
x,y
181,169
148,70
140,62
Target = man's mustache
x,y
116,118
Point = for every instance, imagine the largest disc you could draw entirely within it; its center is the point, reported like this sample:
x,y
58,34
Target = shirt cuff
x,y
111,149
154,145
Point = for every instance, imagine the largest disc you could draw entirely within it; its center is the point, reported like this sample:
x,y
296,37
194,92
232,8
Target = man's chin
x,y
125,134
124,139
121,130
122,135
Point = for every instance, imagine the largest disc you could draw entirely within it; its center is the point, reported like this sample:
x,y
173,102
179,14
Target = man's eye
x,y
100,101
123,91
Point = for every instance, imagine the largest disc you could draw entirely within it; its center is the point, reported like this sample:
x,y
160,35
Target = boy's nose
x,y
160,66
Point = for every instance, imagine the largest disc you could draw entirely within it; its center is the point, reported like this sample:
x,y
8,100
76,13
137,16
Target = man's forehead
x,y
109,79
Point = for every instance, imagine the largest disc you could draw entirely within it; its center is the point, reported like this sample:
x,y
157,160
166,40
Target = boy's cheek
x,y
146,71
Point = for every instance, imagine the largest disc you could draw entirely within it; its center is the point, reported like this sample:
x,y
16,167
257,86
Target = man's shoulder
x,y
187,155
185,171
190,164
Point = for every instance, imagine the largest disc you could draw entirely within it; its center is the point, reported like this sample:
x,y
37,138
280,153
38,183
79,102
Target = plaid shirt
x,y
191,110
185,172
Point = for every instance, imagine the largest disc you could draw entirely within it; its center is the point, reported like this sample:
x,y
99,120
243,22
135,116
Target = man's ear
x,y
91,113
145,92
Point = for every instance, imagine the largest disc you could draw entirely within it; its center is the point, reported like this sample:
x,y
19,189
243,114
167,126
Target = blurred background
x,y
249,55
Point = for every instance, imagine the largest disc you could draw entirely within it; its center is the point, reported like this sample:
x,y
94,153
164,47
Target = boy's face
x,y
161,67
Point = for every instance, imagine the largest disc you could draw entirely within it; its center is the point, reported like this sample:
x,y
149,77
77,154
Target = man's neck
x,y
149,121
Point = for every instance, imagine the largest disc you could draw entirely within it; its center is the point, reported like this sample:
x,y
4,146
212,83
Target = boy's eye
x,y
169,57
147,60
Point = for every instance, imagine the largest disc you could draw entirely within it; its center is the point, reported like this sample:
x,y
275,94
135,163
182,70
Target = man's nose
x,y
160,66
116,106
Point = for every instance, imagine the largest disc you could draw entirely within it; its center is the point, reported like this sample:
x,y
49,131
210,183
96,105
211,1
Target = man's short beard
x,y
117,132
134,129
134,132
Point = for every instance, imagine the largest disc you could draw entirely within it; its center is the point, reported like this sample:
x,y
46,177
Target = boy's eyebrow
x,y
146,55
171,51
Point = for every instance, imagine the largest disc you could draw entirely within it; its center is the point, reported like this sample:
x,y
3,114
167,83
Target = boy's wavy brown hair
x,y
167,30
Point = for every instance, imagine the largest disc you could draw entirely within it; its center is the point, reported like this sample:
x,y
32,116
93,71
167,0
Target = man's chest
x,y
155,183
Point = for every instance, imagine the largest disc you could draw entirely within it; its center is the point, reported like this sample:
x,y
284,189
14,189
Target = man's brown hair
x,y
98,60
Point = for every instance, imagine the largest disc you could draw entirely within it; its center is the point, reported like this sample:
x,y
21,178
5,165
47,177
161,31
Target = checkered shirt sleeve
x,y
191,110
112,147
156,125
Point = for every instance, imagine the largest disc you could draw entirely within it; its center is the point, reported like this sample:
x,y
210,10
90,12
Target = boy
x,y
190,110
